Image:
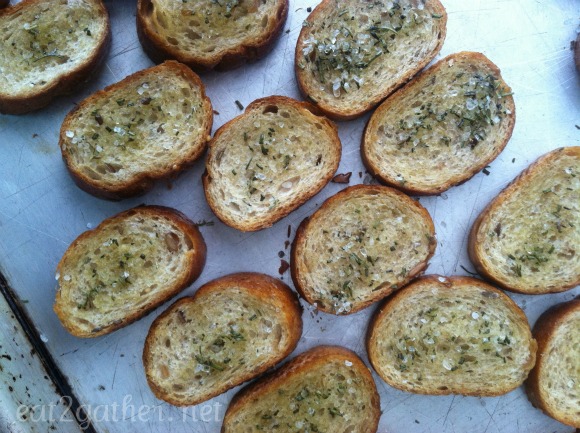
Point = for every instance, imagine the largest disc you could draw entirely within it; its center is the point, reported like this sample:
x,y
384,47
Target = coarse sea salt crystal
x,y
70,134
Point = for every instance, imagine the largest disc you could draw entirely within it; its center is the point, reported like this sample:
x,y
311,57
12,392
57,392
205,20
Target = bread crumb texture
x,y
120,268
44,42
151,123
436,338
350,51
528,238
210,28
440,129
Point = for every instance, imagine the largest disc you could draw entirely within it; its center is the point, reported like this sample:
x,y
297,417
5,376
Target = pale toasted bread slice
x,y
233,329
554,384
210,34
454,335
151,125
527,239
48,49
326,389
352,54
125,267
361,245
442,128
268,161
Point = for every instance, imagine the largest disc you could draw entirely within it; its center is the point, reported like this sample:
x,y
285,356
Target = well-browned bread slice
x,y
269,161
352,54
554,384
233,329
527,239
151,125
361,245
49,48
454,335
442,128
210,34
326,389
125,267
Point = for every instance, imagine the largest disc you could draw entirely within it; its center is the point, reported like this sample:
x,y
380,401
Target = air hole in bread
x,y
173,41
91,173
319,126
161,20
270,109
172,242
265,22
209,49
285,114
192,35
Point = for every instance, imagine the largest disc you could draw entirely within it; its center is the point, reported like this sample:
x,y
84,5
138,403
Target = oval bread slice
x,y
233,329
352,54
151,125
554,384
361,245
49,48
527,239
210,34
269,161
442,128
326,389
454,335
125,267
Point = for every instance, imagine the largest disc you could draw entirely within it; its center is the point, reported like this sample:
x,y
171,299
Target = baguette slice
x,y
269,161
527,239
442,128
232,330
554,384
151,125
210,34
454,335
352,54
130,264
361,245
48,49
326,389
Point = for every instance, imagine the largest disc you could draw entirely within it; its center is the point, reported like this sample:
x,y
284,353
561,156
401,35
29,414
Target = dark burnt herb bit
x,y
342,178
239,104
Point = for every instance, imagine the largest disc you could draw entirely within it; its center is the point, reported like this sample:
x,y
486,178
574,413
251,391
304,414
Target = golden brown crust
x,y
418,81
195,263
282,210
65,83
159,50
475,237
305,87
545,329
145,181
263,287
305,362
384,291
448,282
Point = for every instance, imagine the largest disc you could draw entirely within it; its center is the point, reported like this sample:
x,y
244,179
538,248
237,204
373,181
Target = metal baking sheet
x,y
42,211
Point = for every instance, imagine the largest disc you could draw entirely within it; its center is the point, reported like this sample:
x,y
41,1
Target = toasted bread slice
x,y
210,34
352,54
49,48
454,335
151,125
361,245
124,268
232,330
526,240
326,389
554,384
442,128
267,162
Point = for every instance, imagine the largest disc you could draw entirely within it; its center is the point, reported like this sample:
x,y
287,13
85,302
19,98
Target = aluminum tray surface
x,y
42,212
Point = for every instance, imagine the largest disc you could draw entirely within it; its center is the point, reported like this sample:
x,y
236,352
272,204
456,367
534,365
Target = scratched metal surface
x,y
41,212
